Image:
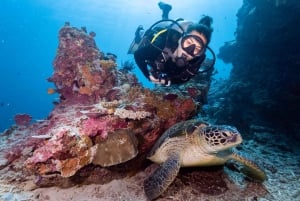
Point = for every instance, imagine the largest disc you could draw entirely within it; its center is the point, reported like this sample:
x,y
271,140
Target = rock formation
x,y
264,85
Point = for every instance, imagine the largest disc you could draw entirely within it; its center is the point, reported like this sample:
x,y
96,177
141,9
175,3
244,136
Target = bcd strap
x,y
158,34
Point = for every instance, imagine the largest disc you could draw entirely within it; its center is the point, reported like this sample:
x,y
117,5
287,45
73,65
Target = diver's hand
x,y
159,81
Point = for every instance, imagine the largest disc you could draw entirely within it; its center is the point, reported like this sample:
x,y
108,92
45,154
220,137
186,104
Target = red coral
x,y
13,155
47,151
78,74
92,127
113,94
170,97
22,119
187,108
193,92
119,124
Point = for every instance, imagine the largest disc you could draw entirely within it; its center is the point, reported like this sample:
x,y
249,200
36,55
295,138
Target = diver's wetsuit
x,y
151,54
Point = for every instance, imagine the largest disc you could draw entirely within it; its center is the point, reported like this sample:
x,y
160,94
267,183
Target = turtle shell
x,y
181,128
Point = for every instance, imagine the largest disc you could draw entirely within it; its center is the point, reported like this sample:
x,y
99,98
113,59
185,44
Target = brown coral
x,y
70,166
107,64
119,147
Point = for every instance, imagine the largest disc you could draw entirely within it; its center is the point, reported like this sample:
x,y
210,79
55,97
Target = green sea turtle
x,y
194,143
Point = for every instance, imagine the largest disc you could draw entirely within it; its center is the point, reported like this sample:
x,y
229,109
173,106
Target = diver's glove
x,y
160,80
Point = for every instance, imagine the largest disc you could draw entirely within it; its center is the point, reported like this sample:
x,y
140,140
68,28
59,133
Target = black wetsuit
x,y
151,54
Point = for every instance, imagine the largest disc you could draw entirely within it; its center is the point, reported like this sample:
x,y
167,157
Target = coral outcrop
x,y
81,72
103,118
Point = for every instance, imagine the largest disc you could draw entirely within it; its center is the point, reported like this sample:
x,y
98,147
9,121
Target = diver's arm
x,y
144,54
140,59
189,71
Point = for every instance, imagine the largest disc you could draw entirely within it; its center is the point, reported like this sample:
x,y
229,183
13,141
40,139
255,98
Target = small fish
x,y
46,136
55,102
51,91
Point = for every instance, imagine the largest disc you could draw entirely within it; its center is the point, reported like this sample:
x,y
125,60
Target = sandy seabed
x,y
279,157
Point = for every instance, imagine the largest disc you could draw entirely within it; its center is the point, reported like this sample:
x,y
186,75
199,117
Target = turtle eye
x,y
233,138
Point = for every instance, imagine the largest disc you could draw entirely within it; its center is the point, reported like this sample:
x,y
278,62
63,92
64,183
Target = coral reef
x,y
81,71
84,140
104,116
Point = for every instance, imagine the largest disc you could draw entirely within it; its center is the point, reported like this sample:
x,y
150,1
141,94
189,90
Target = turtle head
x,y
221,137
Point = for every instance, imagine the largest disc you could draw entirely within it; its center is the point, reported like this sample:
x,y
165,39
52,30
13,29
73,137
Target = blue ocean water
x,y
29,31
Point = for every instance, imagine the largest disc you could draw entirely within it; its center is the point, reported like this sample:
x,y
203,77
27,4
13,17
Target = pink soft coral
x,y
22,119
92,127
51,147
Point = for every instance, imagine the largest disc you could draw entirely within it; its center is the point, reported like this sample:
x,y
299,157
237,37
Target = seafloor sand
x,y
279,156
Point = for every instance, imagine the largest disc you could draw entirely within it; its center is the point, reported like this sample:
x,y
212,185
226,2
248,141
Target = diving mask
x,y
193,45
190,46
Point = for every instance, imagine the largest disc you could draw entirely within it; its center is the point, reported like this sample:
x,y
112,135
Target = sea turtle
x,y
194,143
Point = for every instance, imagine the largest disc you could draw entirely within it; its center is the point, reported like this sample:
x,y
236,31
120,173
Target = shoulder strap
x,y
158,34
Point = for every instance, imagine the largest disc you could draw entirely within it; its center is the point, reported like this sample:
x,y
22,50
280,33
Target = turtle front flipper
x,y
250,169
159,181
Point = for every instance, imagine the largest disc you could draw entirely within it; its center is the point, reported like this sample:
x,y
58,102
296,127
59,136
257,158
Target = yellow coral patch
x,y
107,64
85,91
90,81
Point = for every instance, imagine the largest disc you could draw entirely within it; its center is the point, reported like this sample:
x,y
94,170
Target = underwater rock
x,y
117,148
265,80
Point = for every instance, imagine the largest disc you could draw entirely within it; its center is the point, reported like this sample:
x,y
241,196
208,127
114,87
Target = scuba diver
x,y
174,50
